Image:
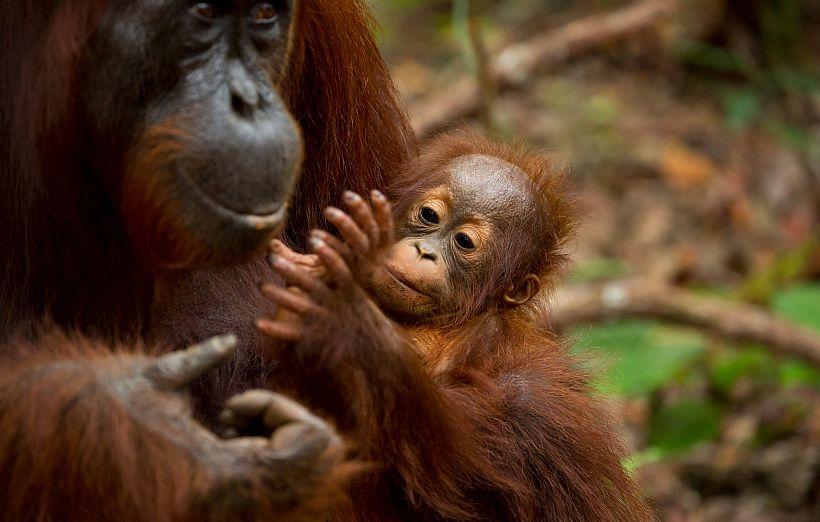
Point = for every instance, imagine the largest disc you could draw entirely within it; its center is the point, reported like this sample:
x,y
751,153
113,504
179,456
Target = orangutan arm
x,y
520,440
90,435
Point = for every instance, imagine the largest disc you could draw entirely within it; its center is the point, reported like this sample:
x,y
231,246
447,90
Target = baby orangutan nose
x,y
426,251
417,264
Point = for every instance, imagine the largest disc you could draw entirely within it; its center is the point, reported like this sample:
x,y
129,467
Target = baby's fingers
x,y
362,214
350,231
282,331
298,276
277,248
384,217
288,299
336,266
335,243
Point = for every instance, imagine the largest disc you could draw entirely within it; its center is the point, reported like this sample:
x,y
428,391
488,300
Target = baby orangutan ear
x,y
524,290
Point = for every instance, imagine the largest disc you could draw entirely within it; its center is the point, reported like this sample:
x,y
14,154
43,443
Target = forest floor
x,y
707,184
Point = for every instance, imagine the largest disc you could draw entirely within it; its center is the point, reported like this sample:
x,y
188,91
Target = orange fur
x,y
479,416
66,450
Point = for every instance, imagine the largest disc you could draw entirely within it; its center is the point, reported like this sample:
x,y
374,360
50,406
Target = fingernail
x,y
316,243
261,325
378,195
334,212
280,262
350,196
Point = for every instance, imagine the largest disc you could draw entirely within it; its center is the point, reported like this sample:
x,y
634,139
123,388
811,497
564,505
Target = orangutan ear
x,y
523,291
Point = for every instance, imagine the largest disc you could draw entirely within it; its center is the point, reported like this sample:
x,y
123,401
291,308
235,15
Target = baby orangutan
x,y
423,344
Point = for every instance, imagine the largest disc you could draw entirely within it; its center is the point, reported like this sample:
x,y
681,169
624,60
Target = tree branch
x,y
733,321
517,64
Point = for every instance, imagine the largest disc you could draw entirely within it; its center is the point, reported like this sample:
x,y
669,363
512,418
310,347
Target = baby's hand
x,y
367,233
309,262
315,308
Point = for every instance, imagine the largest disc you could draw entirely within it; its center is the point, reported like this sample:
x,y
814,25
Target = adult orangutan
x,y
142,140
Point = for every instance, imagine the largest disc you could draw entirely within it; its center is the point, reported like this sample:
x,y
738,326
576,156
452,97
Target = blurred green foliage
x,y
786,268
598,269
800,303
640,356
677,427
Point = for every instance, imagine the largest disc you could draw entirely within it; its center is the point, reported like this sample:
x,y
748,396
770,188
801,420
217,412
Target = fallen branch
x,y
641,299
517,64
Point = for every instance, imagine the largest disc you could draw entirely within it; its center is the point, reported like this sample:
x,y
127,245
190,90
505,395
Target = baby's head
x,y
480,225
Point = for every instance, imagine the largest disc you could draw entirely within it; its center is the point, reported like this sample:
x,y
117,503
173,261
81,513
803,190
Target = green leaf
x,y
647,456
598,269
638,356
742,107
800,304
719,59
680,426
796,373
726,367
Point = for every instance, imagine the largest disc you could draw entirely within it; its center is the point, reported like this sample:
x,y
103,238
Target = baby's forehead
x,y
488,181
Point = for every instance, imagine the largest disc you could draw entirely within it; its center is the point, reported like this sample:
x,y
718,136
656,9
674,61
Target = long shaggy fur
x,y
67,451
478,416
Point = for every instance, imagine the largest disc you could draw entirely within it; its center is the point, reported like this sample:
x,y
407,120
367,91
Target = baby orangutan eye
x,y
429,216
464,242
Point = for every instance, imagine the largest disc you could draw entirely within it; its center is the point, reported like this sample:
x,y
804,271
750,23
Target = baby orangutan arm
x,y
356,365
520,440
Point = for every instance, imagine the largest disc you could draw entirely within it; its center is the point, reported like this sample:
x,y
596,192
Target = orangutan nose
x,y
425,251
245,99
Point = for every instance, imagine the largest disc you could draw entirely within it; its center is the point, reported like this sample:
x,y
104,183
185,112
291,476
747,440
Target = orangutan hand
x,y
289,456
367,231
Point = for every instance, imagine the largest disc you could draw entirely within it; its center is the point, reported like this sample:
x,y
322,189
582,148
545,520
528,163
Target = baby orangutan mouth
x,y
401,279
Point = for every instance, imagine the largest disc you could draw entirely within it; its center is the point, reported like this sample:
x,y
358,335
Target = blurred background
x,y
692,132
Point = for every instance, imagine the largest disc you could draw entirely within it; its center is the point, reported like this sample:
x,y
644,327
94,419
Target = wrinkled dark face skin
x,y
450,242
182,97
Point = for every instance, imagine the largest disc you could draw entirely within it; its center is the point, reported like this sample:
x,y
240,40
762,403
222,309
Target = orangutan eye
x,y
429,216
264,13
464,242
204,11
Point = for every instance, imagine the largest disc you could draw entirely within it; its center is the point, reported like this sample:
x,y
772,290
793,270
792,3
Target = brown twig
x,y
483,73
734,321
517,64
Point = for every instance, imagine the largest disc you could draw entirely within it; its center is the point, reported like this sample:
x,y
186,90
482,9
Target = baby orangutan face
x,y
453,239
464,245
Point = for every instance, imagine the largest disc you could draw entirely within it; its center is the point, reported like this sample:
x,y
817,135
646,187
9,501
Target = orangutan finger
x,y
288,299
362,214
177,369
281,410
336,266
350,231
384,217
242,408
335,243
286,332
278,248
299,276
